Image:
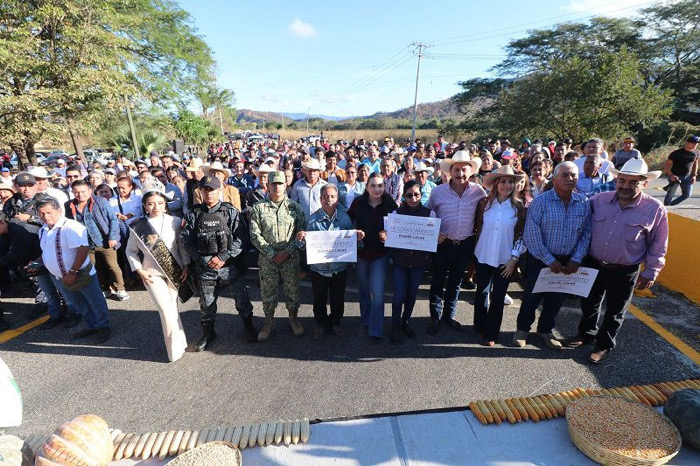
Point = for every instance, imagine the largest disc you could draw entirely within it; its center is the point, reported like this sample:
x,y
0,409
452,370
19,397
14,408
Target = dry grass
x,y
657,157
401,135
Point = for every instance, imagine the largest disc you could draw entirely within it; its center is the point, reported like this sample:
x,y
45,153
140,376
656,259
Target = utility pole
x,y
420,46
282,118
263,125
308,112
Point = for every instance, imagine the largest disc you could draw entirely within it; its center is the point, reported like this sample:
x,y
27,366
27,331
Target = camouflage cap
x,y
277,177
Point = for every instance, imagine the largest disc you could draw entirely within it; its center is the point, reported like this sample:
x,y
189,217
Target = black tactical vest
x,y
212,233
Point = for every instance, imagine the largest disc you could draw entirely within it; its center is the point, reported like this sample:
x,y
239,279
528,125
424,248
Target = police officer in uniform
x,y
274,225
214,234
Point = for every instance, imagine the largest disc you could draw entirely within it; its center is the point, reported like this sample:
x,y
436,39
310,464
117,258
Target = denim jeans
x,y
491,290
531,301
686,191
450,262
406,283
53,299
616,287
371,275
88,302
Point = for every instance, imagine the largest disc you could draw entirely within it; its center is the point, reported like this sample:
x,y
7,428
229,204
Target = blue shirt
x,y
587,186
320,221
605,187
552,229
244,184
425,191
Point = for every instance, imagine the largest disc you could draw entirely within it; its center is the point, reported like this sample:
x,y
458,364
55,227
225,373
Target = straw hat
x,y
506,170
216,167
461,156
7,184
194,164
264,168
636,167
312,164
422,167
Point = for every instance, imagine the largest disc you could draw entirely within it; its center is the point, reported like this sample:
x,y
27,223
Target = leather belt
x,y
610,265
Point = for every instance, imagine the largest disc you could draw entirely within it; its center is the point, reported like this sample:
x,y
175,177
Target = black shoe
x,y
468,285
433,326
72,320
102,334
396,334
51,323
86,332
453,324
408,331
251,334
208,336
39,310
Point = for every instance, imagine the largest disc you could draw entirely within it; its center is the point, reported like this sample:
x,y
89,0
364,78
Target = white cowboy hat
x,y
38,173
312,164
636,167
422,167
216,167
194,164
506,170
264,168
461,156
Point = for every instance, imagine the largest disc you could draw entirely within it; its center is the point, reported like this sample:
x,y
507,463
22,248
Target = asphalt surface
x,y
129,382
689,208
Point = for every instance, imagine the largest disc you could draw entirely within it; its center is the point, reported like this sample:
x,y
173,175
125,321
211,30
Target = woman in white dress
x,y
164,267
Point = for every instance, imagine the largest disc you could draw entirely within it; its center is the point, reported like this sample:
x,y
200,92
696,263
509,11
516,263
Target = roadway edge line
x,y
676,342
8,335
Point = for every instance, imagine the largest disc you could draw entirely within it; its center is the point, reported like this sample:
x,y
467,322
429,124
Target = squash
x,y
14,451
683,409
84,441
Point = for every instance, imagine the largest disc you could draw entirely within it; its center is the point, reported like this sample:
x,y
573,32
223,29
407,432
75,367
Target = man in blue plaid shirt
x,y
557,235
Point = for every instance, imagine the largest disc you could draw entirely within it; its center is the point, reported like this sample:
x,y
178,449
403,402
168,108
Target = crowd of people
x,y
185,225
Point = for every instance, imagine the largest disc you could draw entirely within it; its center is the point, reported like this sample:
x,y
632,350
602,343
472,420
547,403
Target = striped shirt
x,y
456,213
552,229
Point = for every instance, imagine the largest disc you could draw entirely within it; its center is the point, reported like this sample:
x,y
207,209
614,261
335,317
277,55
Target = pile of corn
x,y
537,408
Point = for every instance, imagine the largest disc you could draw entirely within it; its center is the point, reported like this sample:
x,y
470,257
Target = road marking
x,y
665,334
8,335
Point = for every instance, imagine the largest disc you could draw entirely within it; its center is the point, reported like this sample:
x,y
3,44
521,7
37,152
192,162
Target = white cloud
x,y
619,8
302,29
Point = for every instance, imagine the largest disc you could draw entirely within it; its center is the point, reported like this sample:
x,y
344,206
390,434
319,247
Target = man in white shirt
x,y
64,253
42,184
595,146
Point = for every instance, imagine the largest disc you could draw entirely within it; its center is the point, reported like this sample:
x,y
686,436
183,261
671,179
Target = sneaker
x,y
551,340
408,331
86,332
520,338
507,300
102,334
121,295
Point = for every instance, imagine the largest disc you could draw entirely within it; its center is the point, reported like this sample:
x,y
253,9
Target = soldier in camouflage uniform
x,y
214,235
274,226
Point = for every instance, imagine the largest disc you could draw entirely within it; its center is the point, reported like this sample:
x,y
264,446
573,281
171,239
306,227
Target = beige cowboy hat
x,y
422,167
264,168
7,184
216,167
461,156
506,170
194,164
636,167
311,164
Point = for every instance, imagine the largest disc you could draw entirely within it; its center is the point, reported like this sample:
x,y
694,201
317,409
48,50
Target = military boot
x,y
208,336
297,329
249,329
267,328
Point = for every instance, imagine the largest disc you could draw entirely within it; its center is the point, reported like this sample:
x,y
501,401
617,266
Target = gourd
x,y
683,409
84,441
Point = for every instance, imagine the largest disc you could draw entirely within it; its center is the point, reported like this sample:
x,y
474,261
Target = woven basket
x,y
605,456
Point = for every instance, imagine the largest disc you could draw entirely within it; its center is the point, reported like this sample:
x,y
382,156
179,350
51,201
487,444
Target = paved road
x,y
688,208
130,383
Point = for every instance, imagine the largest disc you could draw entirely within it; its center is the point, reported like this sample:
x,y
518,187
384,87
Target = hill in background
x,y
429,115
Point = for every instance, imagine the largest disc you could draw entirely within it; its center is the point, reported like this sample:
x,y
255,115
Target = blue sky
x,y
355,58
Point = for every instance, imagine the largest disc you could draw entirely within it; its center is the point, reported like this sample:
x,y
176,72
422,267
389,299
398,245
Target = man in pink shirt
x,y
455,204
629,228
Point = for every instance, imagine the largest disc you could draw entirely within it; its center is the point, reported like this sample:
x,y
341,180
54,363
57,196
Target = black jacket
x,y
409,258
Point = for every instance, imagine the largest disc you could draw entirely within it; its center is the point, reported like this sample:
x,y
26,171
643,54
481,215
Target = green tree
x,y
577,98
193,129
65,61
